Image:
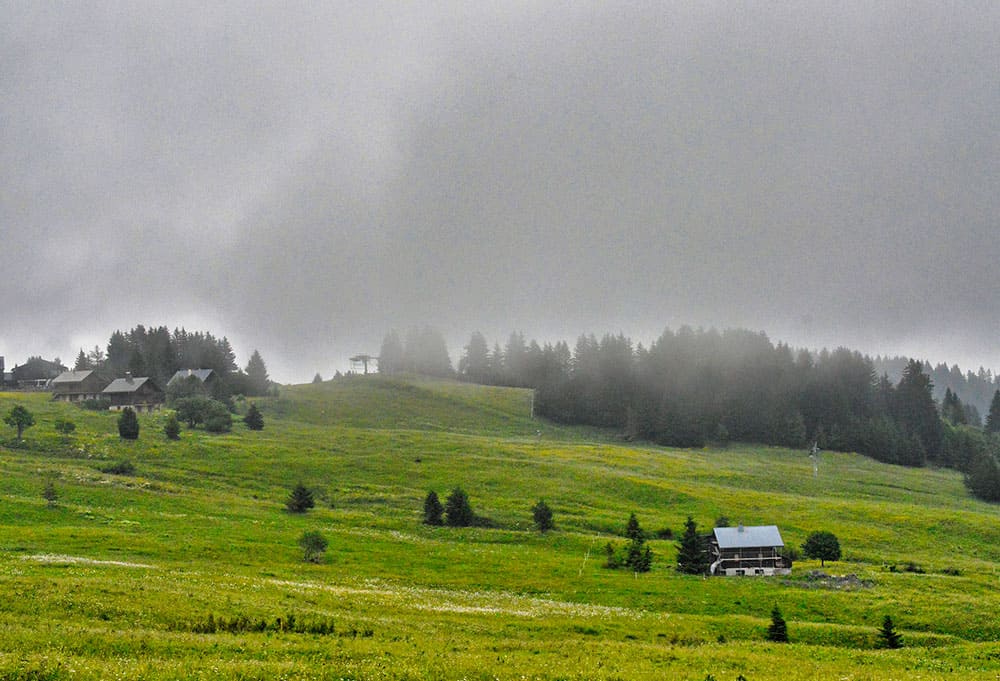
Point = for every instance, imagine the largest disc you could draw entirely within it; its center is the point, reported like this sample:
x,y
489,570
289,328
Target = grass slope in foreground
x,y
144,575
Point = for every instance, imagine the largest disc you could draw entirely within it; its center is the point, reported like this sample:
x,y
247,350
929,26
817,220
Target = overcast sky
x,y
303,177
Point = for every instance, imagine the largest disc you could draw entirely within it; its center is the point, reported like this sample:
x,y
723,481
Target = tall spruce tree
x,y
475,363
917,413
257,378
993,418
391,357
82,362
692,558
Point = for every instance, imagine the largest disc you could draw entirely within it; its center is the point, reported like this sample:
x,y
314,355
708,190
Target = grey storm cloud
x,y
302,179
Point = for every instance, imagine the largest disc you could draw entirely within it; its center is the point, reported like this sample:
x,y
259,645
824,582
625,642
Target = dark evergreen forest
x,y
694,387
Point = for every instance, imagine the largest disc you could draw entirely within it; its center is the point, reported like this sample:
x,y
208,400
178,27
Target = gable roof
x,y
748,537
201,374
71,377
128,385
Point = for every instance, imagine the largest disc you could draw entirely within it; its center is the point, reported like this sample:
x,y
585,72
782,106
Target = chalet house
x,y
142,394
76,386
207,376
35,374
743,550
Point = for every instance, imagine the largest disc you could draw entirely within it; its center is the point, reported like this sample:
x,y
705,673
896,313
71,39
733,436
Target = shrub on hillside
x,y
457,510
777,631
300,500
542,515
888,636
199,410
96,405
64,427
191,410
123,467
313,545
128,424
254,420
433,510
218,419
172,428
49,493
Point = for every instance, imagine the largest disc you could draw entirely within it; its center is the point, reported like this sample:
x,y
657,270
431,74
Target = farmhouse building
x,y
142,394
76,386
207,377
36,373
748,551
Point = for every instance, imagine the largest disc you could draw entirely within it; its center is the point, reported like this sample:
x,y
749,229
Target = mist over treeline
x,y
693,387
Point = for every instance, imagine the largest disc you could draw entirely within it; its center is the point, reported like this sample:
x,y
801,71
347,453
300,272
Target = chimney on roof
x,y
739,528
128,376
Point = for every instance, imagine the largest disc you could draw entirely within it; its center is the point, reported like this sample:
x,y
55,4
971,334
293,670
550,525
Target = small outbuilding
x,y
76,386
740,550
142,394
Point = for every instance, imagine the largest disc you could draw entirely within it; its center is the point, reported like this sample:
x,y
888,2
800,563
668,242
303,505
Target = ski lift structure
x,y
362,362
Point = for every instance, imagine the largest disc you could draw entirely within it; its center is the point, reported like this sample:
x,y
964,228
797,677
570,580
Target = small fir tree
x,y
19,417
777,631
300,500
611,560
49,493
633,531
313,545
254,419
433,510
542,515
638,556
457,510
888,636
692,558
317,378
822,545
172,428
128,424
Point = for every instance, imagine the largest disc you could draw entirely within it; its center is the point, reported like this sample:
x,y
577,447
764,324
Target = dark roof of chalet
x,y
71,377
128,385
201,374
748,537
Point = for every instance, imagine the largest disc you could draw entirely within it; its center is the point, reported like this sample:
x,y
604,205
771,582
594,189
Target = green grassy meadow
x,y
118,579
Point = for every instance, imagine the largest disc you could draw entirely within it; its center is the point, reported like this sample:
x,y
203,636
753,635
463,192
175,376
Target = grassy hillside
x,y
119,578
